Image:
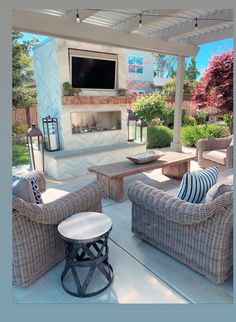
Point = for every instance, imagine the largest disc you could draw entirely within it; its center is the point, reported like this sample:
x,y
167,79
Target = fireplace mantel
x,y
73,100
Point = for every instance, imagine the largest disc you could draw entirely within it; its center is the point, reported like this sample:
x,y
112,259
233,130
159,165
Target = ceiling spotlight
x,y
196,25
77,17
140,24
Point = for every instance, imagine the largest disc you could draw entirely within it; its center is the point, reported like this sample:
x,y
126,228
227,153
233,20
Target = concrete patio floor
x,y
142,273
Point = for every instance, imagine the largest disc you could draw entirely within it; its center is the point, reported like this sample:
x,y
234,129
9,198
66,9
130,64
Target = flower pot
x,y
66,92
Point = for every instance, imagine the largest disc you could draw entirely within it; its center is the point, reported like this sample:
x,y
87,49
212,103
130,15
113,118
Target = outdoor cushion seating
x,y
198,235
217,152
36,243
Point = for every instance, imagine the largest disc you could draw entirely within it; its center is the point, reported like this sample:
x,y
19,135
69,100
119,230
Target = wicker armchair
x,y
37,245
199,235
217,152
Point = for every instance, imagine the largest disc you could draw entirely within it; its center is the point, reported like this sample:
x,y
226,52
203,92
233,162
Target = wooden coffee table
x,y
173,164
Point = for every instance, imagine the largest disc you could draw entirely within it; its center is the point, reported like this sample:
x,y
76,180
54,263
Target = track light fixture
x,y
140,24
196,25
77,17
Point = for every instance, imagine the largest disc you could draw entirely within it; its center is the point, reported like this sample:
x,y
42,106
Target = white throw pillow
x,y
217,190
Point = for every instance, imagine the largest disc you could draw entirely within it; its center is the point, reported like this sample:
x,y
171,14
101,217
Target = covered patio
x,y
143,274
174,32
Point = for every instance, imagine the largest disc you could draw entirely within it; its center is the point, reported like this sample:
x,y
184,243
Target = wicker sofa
x,y
217,152
199,235
37,246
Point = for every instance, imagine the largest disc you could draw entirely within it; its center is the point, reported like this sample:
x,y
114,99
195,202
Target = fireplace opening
x,y
86,122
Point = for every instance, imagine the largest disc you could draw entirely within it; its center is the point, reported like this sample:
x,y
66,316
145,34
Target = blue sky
x,y
202,57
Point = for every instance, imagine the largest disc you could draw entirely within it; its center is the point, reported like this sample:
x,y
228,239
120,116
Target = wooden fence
x,y
191,107
25,116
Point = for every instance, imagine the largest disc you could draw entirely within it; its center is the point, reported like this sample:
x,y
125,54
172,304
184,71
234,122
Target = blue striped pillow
x,y
195,184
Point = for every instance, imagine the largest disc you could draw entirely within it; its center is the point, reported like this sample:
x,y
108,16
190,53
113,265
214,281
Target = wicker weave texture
x,y
36,243
215,144
200,236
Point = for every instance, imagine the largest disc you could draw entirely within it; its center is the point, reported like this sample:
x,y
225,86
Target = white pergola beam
x,y
132,23
84,14
64,28
210,37
188,26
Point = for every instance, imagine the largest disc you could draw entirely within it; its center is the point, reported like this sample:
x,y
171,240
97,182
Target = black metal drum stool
x,y
86,235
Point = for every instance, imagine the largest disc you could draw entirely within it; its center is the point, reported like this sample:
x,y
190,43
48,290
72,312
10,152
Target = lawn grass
x,y
20,154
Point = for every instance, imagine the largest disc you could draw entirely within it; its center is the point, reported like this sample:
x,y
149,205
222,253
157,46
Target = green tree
x,y
22,71
191,71
24,93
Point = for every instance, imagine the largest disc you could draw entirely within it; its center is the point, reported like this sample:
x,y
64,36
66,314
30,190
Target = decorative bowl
x,y
145,157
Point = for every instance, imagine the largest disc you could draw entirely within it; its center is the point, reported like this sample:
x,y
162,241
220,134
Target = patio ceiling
x,y
165,31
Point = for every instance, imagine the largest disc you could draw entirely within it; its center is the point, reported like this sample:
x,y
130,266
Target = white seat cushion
x,y
218,156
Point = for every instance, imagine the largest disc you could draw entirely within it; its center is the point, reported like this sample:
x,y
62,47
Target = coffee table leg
x,y
176,170
114,188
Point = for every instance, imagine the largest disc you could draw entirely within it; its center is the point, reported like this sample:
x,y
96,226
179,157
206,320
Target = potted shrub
x,y
67,88
121,92
76,91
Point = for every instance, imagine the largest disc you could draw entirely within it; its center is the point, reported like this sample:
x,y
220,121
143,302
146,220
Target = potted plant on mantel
x,y
67,89
76,91
121,92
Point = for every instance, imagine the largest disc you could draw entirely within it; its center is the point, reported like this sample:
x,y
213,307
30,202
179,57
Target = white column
x,y
176,144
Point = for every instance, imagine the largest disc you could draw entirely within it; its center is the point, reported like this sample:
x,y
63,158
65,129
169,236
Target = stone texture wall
x,y
47,81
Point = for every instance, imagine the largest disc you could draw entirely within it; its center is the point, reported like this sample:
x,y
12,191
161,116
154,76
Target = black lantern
x,y
35,146
132,118
51,135
141,130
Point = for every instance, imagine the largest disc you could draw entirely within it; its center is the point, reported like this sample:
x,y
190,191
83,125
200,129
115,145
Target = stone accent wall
x,y
47,81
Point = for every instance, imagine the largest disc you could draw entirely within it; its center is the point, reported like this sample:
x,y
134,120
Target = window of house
x,y
135,64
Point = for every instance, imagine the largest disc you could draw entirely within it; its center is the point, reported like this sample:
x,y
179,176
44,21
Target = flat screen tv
x,y
93,73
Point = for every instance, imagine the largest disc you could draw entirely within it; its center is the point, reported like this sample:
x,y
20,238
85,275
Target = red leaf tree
x,y
216,86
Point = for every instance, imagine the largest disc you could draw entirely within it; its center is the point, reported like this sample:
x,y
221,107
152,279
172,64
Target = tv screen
x,y
93,73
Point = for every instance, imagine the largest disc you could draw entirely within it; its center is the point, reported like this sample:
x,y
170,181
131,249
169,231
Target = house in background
x,y
145,72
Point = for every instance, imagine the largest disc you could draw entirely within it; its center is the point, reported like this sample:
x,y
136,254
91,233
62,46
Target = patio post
x,y
176,144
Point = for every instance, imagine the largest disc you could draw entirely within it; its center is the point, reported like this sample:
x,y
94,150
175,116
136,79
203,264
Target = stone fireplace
x,y
93,125
91,122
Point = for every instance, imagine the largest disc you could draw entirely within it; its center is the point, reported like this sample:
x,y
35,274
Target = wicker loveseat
x,y
36,243
217,152
199,235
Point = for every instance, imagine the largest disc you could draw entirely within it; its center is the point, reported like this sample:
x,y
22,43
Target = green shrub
x,y
191,134
217,131
19,129
159,136
150,106
201,117
168,116
189,120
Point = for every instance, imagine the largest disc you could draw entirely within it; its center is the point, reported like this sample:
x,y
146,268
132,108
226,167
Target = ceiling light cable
x,y
77,17
160,15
